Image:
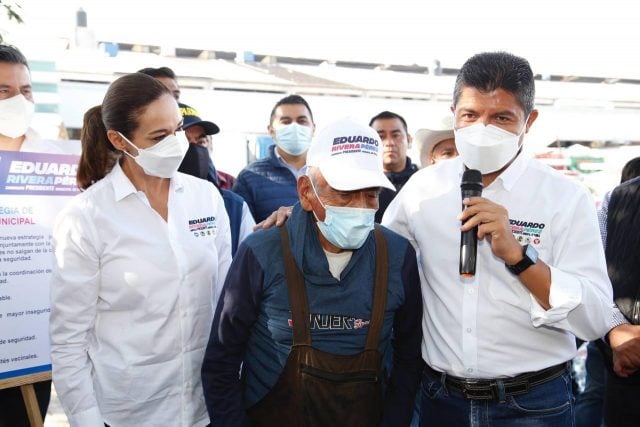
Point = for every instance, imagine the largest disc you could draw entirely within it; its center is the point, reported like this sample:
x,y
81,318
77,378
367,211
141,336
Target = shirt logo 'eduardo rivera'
x,y
203,226
527,231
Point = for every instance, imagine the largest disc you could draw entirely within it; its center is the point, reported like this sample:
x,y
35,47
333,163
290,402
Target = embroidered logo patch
x,y
203,226
527,232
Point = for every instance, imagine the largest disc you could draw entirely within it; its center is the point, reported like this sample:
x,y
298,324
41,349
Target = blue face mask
x,y
344,227
293,138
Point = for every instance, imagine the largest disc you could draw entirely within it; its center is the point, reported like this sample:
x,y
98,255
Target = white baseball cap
x,y
349,156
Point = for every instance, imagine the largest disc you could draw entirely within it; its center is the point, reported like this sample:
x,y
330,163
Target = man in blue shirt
x,y
269,183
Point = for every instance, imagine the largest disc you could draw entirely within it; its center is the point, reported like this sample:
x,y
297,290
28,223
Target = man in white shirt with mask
x,y
269,183
497,344
17,106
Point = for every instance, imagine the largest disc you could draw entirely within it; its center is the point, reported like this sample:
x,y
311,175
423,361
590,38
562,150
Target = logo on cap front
x,y
354,144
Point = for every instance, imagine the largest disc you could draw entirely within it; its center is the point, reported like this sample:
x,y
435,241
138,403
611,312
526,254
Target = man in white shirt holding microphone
x,y
497,341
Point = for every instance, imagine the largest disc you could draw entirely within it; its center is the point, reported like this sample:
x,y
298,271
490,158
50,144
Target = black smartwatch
x,y
530,256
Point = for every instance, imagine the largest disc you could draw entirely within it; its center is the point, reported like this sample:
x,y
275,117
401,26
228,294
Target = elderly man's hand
x,y
625,343
277,218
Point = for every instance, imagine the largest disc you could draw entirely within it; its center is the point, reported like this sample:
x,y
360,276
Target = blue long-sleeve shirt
x,y
265,185
252,325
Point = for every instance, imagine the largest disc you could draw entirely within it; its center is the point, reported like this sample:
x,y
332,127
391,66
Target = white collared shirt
x,y
34,143
133,299
491,326
296,172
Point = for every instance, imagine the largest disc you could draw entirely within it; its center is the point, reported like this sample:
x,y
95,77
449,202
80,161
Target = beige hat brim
x,y
427,138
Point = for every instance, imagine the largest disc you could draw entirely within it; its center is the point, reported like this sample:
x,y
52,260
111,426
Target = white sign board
x,y
34,187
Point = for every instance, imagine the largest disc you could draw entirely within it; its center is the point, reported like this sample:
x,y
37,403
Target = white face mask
x,y
486,148
15,116
162,159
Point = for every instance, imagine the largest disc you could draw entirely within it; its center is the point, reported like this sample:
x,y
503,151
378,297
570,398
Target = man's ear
x,y
532,118
409,140
305,193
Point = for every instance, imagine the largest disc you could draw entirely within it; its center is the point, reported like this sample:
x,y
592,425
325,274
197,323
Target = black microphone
x,y
471,186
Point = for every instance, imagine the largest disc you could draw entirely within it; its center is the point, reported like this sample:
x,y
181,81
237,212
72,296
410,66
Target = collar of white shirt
x,y
34,143
296,172
122,185
510,175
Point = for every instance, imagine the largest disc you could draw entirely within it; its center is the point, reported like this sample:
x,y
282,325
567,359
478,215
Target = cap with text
x,y
349,156
191,117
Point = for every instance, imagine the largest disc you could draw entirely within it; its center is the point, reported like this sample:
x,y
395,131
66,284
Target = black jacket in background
x,y
398,179
623,248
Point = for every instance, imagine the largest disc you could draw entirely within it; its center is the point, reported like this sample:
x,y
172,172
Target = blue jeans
x,y
547,404
590,403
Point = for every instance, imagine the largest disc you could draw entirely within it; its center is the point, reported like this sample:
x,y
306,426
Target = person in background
x,y
436,143
309,311
630,170
17,106
269,183
167,77
197,162
622,246
395,138
200,132
140,257
497,343
590,404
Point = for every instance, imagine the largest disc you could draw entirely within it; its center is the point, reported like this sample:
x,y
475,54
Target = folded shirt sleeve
x,y
581,297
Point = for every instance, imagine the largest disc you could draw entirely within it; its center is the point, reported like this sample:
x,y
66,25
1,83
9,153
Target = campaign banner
x,y
34,187
37,173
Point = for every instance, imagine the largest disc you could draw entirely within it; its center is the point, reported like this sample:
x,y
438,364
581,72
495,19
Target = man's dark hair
x,y
290,100
498,70
12,55
630,170
159,72
390,115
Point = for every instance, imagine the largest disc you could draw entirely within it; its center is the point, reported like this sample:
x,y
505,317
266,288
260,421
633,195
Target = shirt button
x,y
470,290
469,330
470,370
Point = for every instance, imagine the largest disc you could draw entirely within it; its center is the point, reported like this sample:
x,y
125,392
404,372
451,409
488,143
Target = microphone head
x,y
471,180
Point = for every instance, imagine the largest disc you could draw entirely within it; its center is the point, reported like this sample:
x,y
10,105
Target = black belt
x,y
485,389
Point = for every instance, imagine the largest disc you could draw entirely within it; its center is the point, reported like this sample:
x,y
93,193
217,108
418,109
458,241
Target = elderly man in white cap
x,y
307,310
436,143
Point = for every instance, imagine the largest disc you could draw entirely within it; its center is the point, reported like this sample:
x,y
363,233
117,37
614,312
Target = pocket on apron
x,y
340,399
